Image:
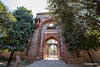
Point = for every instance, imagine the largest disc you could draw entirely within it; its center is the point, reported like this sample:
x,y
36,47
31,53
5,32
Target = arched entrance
x,y
51,48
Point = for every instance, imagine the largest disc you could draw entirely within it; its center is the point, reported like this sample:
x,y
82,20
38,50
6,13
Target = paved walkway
x,y
49,62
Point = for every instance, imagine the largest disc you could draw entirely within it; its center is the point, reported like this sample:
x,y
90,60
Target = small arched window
x,y
51,26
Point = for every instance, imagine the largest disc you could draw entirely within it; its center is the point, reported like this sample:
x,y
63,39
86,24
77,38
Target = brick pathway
x,y
51,62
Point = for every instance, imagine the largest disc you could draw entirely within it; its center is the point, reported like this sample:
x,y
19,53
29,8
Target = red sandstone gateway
x,y
46,38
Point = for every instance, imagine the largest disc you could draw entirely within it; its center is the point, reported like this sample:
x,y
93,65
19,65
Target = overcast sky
x,y
36,6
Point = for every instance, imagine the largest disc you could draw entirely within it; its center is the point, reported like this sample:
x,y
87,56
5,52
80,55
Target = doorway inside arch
x,y
52,53
51,49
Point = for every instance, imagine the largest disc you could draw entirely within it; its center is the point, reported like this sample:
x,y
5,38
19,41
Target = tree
x,y
17,38
6,19
81,27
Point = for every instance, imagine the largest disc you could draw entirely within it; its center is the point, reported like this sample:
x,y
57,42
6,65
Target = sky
x,y
37,6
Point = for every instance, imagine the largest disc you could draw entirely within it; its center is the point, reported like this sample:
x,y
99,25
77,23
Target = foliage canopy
x,y
16,39
6,19
80,22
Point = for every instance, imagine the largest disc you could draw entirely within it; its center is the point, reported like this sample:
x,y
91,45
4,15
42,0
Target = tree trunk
x,y
78,55
10,58
91,58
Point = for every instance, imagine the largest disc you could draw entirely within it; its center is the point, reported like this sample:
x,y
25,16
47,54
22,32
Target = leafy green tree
x,y
17,38
81,24
91,20
6,19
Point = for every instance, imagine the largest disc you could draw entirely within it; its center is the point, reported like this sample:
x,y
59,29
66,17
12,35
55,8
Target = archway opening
x,y
51,48
53,53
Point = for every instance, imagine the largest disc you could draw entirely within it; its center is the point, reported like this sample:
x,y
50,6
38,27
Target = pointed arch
x,y
52,37
47,20
45,47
